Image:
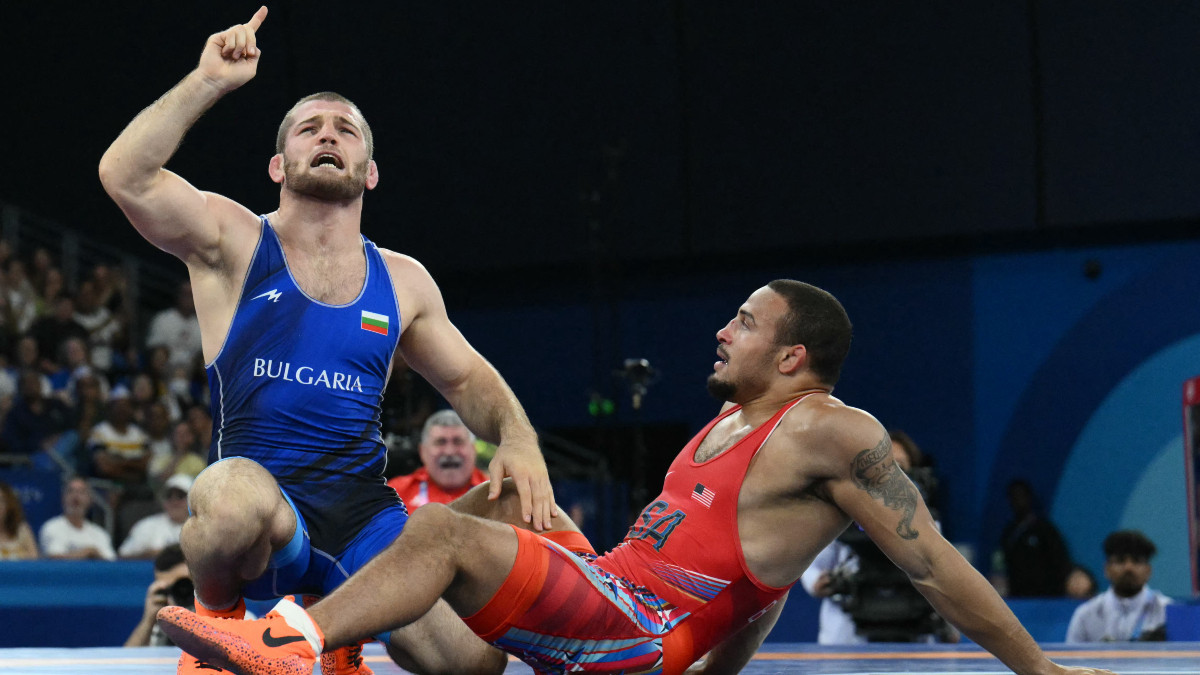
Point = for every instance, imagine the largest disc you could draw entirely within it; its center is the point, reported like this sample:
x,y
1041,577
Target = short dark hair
x,y
910,446
1129,543
281,135
818,321
170,556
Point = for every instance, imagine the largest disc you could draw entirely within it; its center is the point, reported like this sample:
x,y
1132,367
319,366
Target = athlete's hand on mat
x,y
1084,671
523,462
230,58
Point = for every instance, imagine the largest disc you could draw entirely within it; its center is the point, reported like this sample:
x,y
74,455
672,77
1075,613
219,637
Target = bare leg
x,y
439,643
441,553
506,509
239,519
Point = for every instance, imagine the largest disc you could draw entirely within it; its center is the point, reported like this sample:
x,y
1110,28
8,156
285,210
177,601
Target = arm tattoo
x,y
876,472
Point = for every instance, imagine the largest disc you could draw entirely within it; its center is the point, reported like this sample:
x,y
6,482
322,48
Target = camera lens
x,y
182,592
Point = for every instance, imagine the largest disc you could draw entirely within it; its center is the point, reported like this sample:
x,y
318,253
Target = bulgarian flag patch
x,y
376,323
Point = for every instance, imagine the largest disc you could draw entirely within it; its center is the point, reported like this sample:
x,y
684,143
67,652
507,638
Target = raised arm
x,y
165,209
880,497
438,351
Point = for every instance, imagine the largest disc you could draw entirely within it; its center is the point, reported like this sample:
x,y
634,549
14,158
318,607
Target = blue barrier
x,y
68,603
60,603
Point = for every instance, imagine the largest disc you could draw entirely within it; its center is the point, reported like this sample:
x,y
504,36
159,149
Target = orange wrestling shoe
x,y
284,642
190,665
345,661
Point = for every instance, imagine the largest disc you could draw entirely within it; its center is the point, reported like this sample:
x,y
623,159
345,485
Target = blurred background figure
x,y
71,536
172,585
1032,559
16,537
151,534
178,330
448,468
1129,610
864,597
1081,584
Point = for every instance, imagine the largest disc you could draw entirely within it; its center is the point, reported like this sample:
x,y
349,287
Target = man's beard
x,y
338,188
723,390
1126,588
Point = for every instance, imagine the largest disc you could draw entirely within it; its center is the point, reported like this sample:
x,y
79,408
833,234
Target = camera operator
x,y
171,586
855,580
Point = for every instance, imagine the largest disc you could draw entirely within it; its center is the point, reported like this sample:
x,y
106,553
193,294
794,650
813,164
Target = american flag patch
x,y
703,495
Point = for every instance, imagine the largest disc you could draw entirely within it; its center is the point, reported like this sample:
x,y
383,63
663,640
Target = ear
x,y
793,359
372,175
275,169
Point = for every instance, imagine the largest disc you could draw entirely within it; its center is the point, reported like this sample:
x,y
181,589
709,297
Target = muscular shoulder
x,y
839,430
415,288
237,231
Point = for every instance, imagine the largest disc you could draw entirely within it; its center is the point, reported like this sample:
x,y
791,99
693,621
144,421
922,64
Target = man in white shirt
x,y
71,536
835,626
177,329
1129,610
153,533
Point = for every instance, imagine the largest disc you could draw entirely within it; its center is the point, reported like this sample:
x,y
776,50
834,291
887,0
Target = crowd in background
x,y
84,392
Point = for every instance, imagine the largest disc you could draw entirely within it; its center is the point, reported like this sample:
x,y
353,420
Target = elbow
x,y
109,173
115,176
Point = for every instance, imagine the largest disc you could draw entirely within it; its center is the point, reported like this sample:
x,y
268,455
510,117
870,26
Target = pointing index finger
x,y
256,20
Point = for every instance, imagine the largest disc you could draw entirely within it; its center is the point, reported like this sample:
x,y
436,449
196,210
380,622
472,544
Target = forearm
x,y
135,158
489,407
964,598
140,637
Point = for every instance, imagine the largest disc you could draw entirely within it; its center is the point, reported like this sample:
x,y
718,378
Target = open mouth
x,y
327,159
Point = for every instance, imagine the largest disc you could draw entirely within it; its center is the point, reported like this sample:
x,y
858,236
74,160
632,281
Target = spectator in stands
x,y
1081,583
177,329
146,395
22,297
103,327
73,361
157,425
27,356
201,422
53,330
184,456
49,289
110,287
171,585
1129,610
35,425
1033,553
16,537
447,463
41,262
72,536
88,405
150,534
119,447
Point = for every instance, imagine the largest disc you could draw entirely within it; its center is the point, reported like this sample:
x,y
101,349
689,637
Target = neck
x,y
761,408
305,221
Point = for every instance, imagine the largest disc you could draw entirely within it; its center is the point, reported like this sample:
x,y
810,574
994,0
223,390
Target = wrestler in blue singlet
x,y
297,387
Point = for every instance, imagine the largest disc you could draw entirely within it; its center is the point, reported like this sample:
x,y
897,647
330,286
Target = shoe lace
x,y
355,655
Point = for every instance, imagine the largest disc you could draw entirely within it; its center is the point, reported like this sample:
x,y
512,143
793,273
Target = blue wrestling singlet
x,y
297,387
